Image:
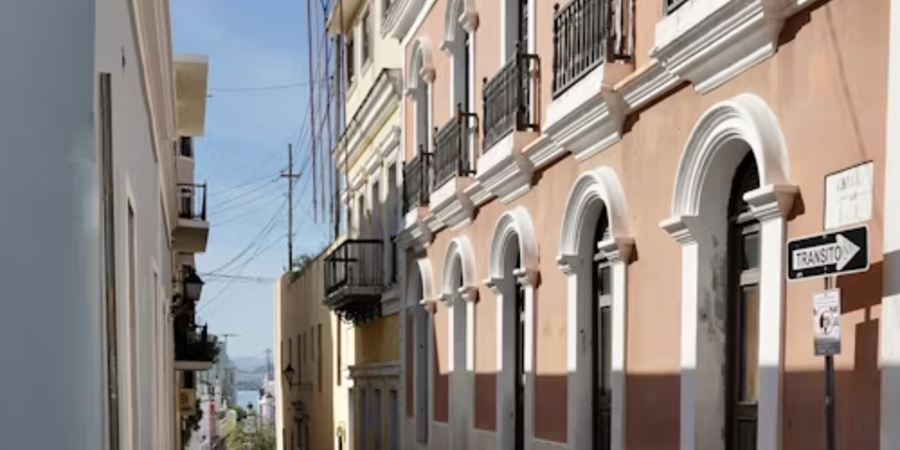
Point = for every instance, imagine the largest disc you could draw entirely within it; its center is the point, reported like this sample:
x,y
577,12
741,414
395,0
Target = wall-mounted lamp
x,y
288,374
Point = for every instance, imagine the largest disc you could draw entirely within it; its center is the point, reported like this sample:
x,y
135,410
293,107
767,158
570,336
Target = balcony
x,y
195,349
399,16
191,233
509,99
354,279
579,41
452,148
453,167
416,182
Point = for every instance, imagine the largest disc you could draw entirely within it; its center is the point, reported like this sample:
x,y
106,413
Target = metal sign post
x,y
827,328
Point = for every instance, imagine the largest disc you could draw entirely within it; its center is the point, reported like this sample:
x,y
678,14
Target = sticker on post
x,y
827,322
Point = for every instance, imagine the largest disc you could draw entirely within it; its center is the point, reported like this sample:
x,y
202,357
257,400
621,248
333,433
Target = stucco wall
x,y
299,315
827,88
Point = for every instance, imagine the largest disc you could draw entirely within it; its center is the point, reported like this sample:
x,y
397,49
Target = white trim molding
x,y
890,301
503,170
460,292
709,42
514,233
588,117
719,141
595,192
450,206
420,66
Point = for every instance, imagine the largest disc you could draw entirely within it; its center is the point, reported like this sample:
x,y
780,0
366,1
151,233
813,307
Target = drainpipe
x,y
109,259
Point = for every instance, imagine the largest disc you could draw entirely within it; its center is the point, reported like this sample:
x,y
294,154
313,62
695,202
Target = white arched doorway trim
x,y
715,147
460,294
420,302
594,191
514,228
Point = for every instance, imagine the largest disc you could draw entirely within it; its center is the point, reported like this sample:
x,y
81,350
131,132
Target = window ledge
x,y
451,206
708,42
585,119
415,232
504,171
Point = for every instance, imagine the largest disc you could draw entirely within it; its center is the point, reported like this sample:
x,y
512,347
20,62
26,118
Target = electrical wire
x,y
275,87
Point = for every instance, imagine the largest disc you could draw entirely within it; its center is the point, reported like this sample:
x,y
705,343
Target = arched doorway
x,y
732,186
595,249
513,278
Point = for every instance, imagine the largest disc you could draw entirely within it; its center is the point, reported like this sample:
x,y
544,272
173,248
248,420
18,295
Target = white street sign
x,y
838,254
848,196
827,322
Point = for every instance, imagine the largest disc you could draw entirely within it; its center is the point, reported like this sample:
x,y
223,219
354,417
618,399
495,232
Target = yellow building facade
x,y
312,396
362,268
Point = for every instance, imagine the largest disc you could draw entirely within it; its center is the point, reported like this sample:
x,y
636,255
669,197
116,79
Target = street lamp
x,y
288,374
193,285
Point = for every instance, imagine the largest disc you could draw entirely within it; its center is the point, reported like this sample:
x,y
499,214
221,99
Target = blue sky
x,y
250,45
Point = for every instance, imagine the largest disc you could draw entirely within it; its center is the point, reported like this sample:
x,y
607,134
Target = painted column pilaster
x,y
890,302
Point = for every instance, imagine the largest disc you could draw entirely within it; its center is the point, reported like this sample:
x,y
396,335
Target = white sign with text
x,y
848,196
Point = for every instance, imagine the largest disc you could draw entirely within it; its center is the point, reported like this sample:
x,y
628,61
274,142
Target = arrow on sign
x,y
838,254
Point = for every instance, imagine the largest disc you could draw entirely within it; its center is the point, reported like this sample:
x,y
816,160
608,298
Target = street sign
x,y
827,322
848,196
838,252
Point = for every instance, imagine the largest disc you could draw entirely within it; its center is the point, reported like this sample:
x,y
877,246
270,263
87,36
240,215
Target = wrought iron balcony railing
x,y
579,41
355,263
452,148
192,203
509,98
195,344
416,181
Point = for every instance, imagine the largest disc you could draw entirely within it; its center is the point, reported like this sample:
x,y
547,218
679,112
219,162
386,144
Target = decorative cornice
x,y
469,294
647,85
617,250
504,171
740,33
683,229
494,285
529,278
569,264
772,201
450,206
430,305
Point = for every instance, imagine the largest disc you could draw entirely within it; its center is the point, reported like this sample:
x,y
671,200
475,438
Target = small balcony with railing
x,y
355,279
195,349
416,182
510,99
592,51
191,232
453,168
509,123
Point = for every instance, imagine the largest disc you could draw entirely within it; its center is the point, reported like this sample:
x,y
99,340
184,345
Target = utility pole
x,y
291,176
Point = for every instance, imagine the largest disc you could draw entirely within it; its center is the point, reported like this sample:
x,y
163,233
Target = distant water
x,y
244,397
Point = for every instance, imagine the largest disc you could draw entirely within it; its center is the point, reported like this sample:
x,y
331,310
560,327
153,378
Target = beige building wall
x,y
825,87
312,408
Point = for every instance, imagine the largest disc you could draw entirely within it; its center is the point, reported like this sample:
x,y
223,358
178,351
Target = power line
x,y
274,87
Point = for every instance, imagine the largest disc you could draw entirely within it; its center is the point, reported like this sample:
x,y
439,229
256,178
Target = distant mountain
x,y
252,364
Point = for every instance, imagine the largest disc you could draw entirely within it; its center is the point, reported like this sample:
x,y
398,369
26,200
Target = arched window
x,y
742,345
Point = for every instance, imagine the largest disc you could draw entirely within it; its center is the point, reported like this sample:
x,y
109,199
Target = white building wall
x,y
52,326
51,338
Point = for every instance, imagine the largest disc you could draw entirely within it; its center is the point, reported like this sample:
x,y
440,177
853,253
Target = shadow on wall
x,y
652,400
